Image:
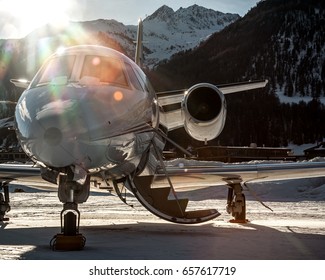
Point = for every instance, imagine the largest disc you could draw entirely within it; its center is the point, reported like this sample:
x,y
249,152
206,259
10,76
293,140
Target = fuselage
x,y
88,106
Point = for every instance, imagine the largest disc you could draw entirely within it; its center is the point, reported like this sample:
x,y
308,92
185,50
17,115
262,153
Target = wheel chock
x,y
61,242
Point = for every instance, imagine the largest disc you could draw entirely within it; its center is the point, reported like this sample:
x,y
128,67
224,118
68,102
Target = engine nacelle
x,y
204,111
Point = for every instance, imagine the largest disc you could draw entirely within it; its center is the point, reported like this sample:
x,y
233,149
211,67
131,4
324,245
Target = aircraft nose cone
x,y
49,127
53,136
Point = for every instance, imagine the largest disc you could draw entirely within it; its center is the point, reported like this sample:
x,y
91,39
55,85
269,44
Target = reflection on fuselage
x,y
88,106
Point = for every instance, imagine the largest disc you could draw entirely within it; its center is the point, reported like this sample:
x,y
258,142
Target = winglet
x,y
21,83
139,44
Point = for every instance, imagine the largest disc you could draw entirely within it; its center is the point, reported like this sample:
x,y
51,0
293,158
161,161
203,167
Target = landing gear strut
x,y
70,193
236,202
4,201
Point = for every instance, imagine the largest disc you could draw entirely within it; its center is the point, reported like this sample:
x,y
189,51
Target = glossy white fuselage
x,y
77,120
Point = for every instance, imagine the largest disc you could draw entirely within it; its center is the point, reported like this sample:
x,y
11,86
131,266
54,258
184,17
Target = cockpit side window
x,y
104,69
133,78
144,80
58,68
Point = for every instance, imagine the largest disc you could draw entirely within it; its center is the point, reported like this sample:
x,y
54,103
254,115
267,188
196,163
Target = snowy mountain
x,y
166,31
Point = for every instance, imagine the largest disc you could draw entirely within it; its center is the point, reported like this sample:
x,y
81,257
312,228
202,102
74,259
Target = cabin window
x,y
57,71
105,70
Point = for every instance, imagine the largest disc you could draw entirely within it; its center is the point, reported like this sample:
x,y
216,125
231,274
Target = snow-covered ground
x,y
294,230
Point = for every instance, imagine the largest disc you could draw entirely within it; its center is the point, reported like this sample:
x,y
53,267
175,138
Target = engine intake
x,y
204,111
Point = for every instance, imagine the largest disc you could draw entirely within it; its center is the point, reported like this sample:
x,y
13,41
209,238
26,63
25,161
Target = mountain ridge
x,y
166,32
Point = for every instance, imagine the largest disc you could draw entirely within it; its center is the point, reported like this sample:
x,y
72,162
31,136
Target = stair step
x,y
160,193
143,183
109,188
174,208
158,198
197,214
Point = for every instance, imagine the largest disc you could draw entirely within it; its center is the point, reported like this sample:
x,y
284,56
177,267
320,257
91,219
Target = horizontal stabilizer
x,y
233,88
176,96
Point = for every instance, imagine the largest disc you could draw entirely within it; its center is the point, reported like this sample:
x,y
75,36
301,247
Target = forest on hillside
x,y
282,41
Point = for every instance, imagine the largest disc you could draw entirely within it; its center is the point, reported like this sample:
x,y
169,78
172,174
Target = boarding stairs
x,y
164,203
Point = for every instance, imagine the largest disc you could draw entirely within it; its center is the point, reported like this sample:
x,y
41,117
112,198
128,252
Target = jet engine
x,y
204,111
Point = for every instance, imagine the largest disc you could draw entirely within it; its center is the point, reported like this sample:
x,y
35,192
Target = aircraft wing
x,y
188,174
172,119
28,172
178,191
198,172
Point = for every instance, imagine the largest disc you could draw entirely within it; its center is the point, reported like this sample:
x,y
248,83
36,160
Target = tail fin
x,y
139,45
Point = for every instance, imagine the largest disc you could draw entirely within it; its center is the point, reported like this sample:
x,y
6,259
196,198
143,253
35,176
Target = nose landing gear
x,y
70,193
69,239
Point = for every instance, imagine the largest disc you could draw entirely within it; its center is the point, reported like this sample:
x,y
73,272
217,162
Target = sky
x,y
20,17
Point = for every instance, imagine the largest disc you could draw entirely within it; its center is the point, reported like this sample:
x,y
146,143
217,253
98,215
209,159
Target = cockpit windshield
x,y
104,70
57,70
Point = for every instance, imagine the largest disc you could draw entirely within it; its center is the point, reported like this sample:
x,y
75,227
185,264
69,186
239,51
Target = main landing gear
x,y
4,201
236,201
71,193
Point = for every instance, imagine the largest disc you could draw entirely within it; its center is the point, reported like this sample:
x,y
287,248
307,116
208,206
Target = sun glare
x,y
25,16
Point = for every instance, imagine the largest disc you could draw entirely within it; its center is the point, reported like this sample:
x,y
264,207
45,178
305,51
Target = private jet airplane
x,y
90,112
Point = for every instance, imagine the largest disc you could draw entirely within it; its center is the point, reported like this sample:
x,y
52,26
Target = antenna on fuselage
x,y
139,45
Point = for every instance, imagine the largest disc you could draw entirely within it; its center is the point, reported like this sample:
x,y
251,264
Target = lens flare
x,y
118,96
25,16
96,61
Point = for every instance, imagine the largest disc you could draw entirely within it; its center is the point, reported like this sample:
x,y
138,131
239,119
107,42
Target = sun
x,y
25,16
